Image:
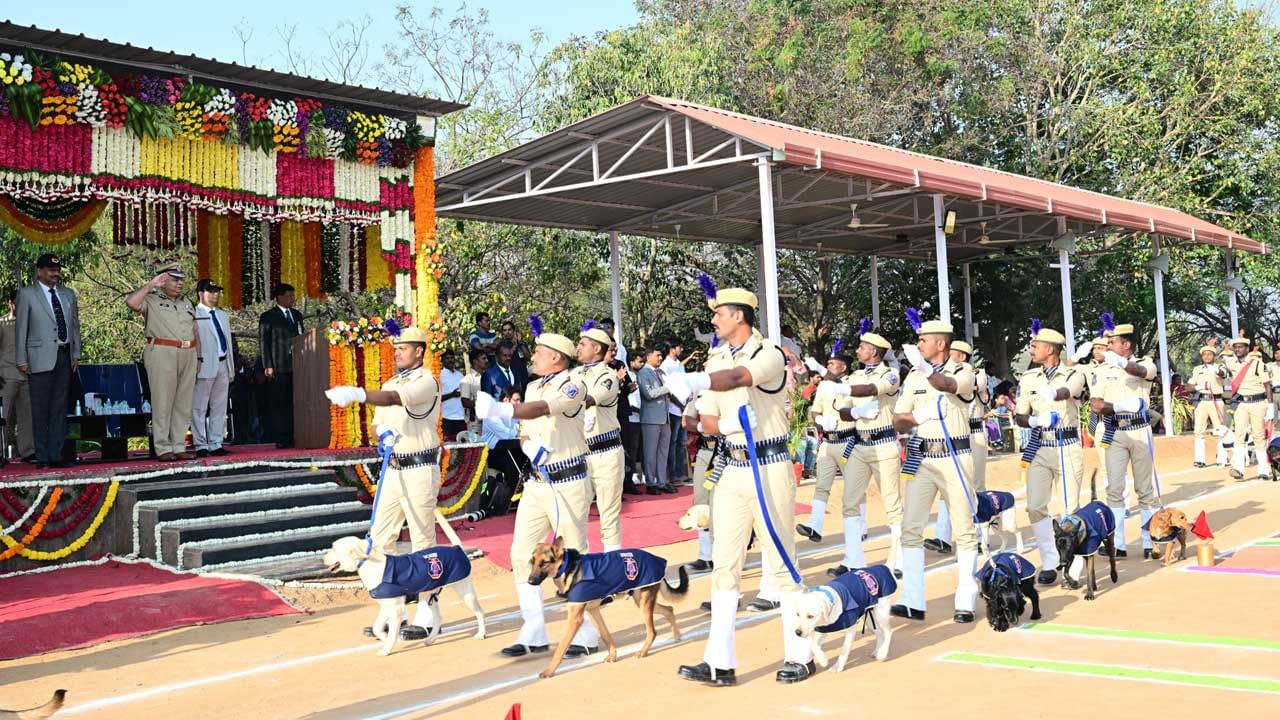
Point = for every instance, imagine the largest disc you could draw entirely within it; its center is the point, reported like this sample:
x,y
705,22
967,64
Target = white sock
x,y
913,578
1199,450
587,635
1221,459
818,515
1077,567
966,584
853,556
704,544
608,548
1043,531
895,547
720,652
534,629
1264,467
1237,458
942,528
1117,513
1146,534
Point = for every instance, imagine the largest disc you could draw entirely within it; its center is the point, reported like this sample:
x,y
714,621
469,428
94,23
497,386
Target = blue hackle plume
x,y
1035,326
392,327
588,325
535,325
913,317
837,346
864,326
708,286
1108,323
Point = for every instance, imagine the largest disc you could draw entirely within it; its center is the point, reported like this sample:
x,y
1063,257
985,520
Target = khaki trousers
x,y
605,470
1249,420
1044,482
16,398
1130,448
979,445
938,475
406,495
171,373
829,463
545,507
736,512
701,466
882,463
1208,415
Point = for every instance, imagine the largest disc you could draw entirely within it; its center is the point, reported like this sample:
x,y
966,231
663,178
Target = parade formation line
x,y
1234,643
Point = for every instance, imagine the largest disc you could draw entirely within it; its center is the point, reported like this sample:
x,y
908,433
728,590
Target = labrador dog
x,y
697,517
839,605
1008,581
391,578
1167,526
40,711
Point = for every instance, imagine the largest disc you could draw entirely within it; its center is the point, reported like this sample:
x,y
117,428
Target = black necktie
x,y
58,315
222,339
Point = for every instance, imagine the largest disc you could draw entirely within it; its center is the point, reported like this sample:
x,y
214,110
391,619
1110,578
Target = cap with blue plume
x,y
837,347
1108,324
1035,326
535,325
864,326
392,327
588,325
708,286
913,318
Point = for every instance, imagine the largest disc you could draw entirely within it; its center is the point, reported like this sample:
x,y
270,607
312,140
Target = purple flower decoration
x,y
708,286
913,318
535,325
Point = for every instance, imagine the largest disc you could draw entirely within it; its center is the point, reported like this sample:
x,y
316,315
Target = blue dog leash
x,y
968,496
745,419
385,451
1151,450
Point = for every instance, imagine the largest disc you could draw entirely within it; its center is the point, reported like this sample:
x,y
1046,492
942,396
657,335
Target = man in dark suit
x,y
504,373
277,328
47,341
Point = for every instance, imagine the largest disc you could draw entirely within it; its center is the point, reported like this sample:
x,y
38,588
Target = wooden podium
x,y
310,380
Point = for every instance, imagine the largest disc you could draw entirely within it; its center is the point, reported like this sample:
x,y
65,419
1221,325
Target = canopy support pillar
x,y
1066,244
769,253
615,290
1233,286
968,306
1158,266
940,252
875,291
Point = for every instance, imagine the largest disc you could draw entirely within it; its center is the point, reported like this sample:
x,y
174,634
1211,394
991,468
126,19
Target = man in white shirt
x,y
678,454
455,416
213,372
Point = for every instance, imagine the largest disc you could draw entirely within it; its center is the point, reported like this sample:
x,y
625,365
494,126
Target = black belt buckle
x,y
568,473
739,454
934,447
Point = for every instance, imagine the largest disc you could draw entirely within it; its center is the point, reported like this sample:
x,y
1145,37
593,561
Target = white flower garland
x,y
276,535
214,520
31,510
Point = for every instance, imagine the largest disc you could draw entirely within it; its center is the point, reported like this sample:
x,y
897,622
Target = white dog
x,y
697,517
839,605
389,578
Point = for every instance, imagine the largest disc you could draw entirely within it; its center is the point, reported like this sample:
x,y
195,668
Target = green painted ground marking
x,y
1120,672
1177,638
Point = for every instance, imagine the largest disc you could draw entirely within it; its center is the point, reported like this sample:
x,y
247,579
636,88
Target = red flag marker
x,y
1201,527
514,712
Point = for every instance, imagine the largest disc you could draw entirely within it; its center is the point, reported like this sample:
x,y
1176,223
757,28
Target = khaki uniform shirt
x,y
168,319
601,383
1093,374
981,394
1073,379
918,393
1255,380
562,429
1208,379
416,417
1119,385
829,405
885,380
766,396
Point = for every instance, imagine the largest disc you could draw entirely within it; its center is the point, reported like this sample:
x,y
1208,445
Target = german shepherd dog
x,y
1079,534
565,567
38,712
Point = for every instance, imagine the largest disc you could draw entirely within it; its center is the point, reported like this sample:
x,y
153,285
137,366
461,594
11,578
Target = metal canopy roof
x,y
229,74
669,168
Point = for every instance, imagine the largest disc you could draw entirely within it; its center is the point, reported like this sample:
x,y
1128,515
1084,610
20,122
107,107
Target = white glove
x,y
925,414
1132,405
1046,393
684,385
536,452
487,407
1270,414
866,410
344,395
392,436
1048,420
1220,431
813,366
730,424
1113,358
589,424
913,356
1083,350
833,388
827,422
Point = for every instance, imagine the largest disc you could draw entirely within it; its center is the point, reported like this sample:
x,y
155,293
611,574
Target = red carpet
x,y
80,606
647,521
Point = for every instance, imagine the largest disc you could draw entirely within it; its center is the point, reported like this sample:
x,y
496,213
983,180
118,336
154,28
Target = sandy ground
x,y
318,666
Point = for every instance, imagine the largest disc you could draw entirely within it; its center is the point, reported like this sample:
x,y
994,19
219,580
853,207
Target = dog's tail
x,y
672,595
1093,486
42,711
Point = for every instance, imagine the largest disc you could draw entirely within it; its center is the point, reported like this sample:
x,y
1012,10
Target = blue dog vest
x,y
617,571
1012,564
1098,524
858,590
423,571
991,503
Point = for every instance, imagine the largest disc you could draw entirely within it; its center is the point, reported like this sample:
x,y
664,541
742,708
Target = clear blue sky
x,y
207,30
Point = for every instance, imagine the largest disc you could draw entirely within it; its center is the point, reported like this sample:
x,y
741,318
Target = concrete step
x,y
175,533
306,542
308,566
169,489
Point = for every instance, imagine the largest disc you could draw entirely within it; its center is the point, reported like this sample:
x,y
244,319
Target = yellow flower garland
x,y
81,541
471,489
372,379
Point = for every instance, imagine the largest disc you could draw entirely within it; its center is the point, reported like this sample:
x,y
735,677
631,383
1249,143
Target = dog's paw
x,y
612,656
545,674
384,652
1035,616
1089,596
839,666
479,635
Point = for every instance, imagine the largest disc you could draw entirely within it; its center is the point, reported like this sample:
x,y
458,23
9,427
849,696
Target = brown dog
x,y
588,581
1167,526
40,711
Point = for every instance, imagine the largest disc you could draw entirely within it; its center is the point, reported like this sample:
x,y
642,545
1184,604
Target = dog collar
x,y
828,592
564,565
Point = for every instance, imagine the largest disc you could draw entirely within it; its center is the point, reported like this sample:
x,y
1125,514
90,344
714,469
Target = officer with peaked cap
x,y
834,432
1125,387
1207,383
603,433
1093,375
746,371
404,421
1049,398
557,494
170,359
935,402
961,351
1251,390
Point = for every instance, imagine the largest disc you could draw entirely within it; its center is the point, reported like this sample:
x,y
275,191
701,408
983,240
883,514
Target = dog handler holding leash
x,y
746,377
405,420
603,433
1252,390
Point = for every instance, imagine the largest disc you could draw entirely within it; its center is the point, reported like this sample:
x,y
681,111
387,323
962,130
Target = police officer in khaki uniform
x,y
603,433
15,394
557,494
702,483
1049,400
1252,392
1206,392
961,351
935,402
1125,387
835,432
1093,374
170,359
749,371
407,414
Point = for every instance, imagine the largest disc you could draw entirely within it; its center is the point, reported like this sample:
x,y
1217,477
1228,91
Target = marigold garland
x,y
472,486
363,475
79,542
235,261
20,547
337,427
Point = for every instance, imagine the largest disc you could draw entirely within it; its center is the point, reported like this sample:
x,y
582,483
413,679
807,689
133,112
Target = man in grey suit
x,y
653,423
48,352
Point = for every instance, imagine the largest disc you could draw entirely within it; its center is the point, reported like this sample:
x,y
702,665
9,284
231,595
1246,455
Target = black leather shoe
x,y
704,673
700,565
577,651
963,616
1069,584
1199,465
1146,553
518,650
220,452
669,490
1122,553
31,459
414,632
706,606
631,489
940,546
903,611
1048,577
794,672
762,605
837,571
897,574
1236,474
202,453
368,629
809,532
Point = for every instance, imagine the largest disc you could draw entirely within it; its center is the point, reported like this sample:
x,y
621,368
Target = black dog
x,y
1082,533
1008,581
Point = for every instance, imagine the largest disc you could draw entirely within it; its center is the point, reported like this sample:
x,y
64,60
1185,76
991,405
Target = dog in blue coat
x,y
390,579
839,605
1080,535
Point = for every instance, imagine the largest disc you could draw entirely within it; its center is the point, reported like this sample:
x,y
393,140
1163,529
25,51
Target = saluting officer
x,y
1125,386
961,351
1252,393
1206,392
749,371
835,432
557,494
170,359
1093,381
603,433
935,402
407,414
1049,400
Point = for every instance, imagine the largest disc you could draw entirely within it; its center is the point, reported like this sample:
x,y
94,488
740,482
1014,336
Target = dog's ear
x,y
1056,527
558,546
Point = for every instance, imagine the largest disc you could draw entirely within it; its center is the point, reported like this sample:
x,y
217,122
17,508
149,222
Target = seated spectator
x,y
505,457
453,414
504,373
